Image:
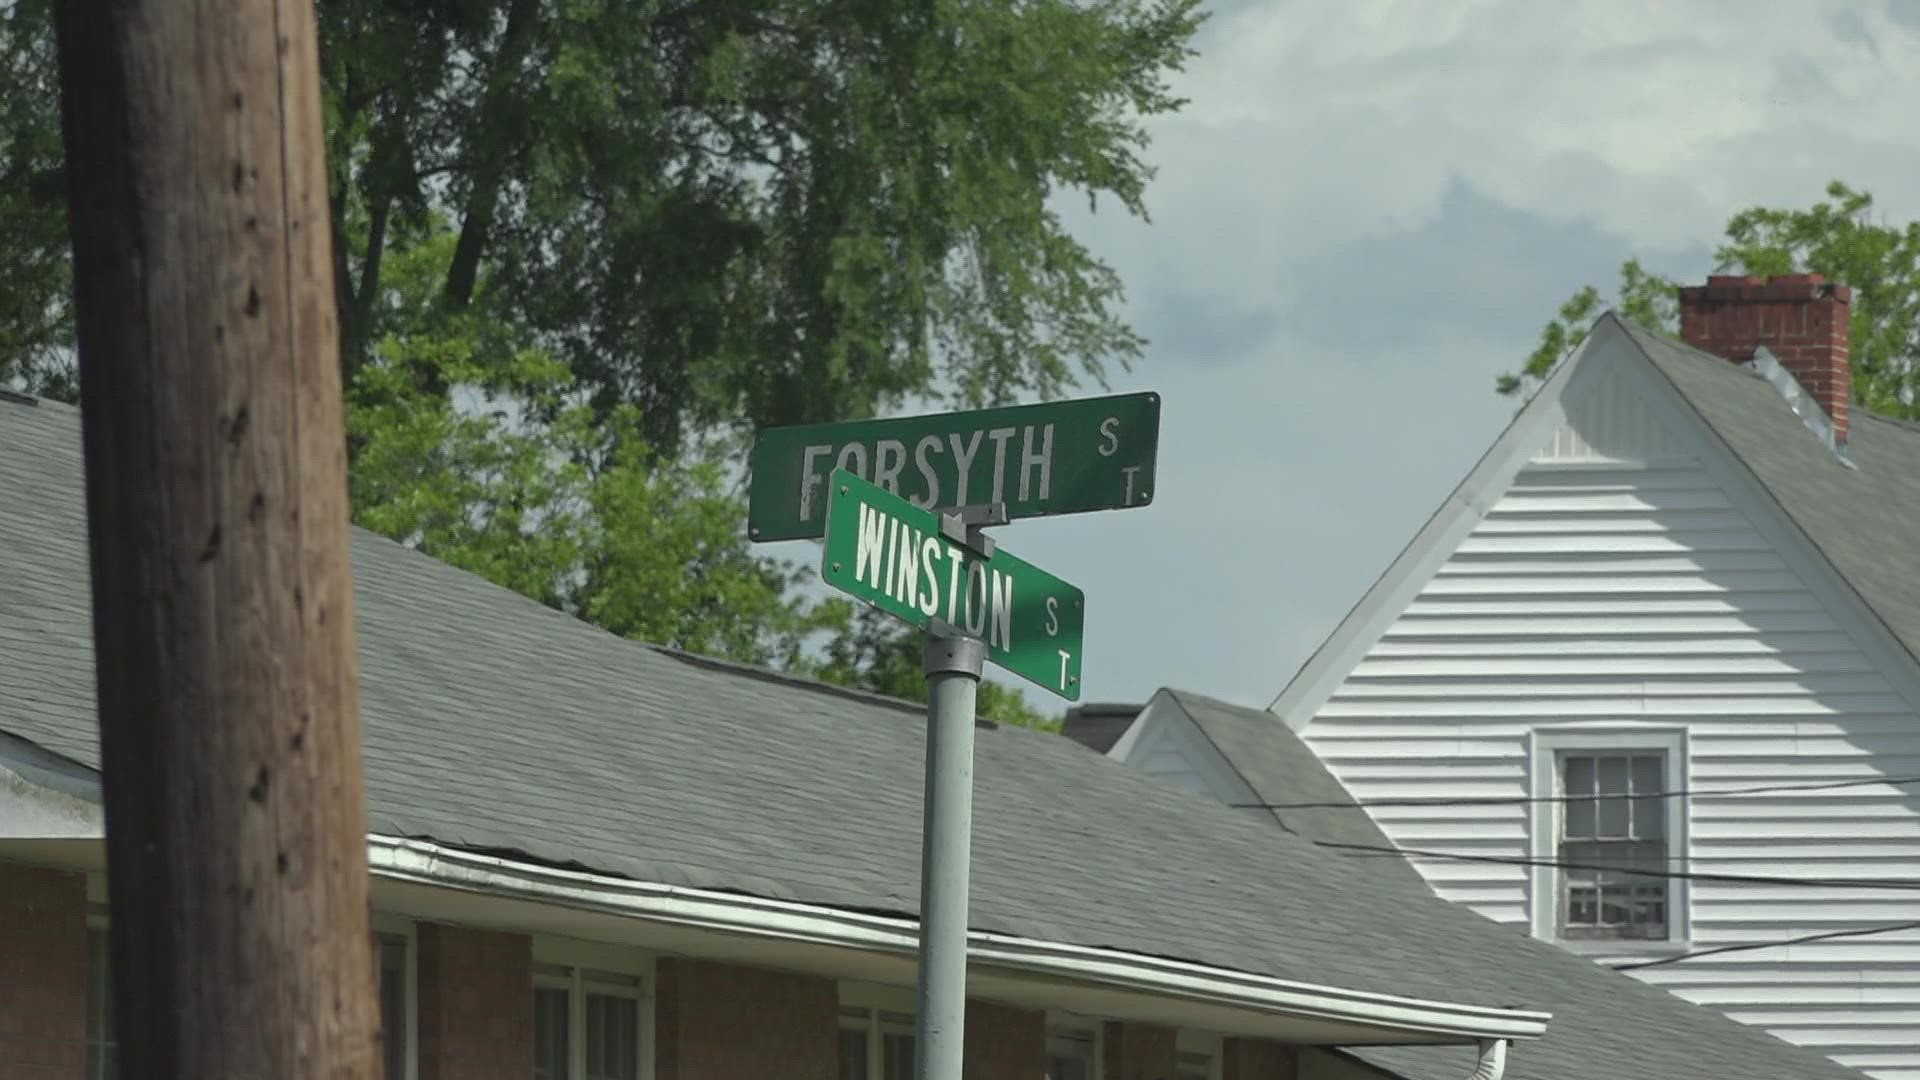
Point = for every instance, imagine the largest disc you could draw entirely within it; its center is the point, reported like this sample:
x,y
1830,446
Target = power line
x,y
1521,800
1748,946
1897,884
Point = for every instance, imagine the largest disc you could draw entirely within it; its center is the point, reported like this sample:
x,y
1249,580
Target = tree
x,y
36,307
584,247
1835,237
872,652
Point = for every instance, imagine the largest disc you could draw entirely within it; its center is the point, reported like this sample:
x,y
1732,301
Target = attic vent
x,y
1768,367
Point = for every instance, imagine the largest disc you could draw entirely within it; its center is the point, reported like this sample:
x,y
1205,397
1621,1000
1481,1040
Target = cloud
x,y
1366,213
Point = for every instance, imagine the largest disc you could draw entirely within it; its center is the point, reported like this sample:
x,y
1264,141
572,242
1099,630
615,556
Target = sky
x,y
1365,213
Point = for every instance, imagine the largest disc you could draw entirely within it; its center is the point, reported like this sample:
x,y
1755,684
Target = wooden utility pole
x,y
217,517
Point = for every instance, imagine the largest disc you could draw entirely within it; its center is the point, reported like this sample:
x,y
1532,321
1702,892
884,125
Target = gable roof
x,y
1606,1024
493,724
1861,516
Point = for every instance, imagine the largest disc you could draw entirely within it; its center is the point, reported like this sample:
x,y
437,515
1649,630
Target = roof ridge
x,y
783,678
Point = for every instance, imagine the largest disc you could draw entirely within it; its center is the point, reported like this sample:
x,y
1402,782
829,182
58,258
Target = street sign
x,y
884,550
1065,457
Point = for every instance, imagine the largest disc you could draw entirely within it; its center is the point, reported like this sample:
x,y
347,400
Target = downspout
x,y
1493,1060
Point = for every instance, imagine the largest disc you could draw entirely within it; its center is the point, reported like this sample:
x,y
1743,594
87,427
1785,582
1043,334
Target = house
x,y
595,858
1645,686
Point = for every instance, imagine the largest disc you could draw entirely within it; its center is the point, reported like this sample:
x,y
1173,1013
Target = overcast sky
x,y
1367,212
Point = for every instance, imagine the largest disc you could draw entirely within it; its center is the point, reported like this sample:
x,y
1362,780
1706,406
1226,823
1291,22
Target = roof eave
x,y
1417,1020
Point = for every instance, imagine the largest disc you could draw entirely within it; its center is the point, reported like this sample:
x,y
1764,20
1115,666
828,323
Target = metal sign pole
x,y
953,663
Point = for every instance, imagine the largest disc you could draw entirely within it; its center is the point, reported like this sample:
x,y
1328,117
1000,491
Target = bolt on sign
x,y
1064,457
884,550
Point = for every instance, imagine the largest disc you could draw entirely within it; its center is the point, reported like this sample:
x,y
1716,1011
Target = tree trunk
x,y
217,518
493,142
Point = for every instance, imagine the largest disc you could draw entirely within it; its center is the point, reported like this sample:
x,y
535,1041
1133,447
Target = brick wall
x,y
476,1004
719,1022
1802,319
1139,1052
43,973
1004,1043
1257,1059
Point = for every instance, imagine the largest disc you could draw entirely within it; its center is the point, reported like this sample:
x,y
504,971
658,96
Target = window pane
x,y
613,1038
1069,1056
1614,818
1579,819
853,1054
1613,776
896,1056
393,1005
1579,774
101,1059
1649,815
550,1031
1648,775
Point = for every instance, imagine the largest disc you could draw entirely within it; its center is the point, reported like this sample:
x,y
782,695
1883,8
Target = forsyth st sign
x,y
884,550
1057,458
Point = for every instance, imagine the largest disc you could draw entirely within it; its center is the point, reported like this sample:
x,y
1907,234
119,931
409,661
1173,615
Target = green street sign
x,y
884,550
1065,457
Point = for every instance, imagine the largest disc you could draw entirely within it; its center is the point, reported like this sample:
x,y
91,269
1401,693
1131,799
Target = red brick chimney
x,y
1802,319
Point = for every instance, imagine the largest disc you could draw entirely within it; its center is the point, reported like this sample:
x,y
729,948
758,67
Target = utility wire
x,y
1520,800
1747,946
1897,884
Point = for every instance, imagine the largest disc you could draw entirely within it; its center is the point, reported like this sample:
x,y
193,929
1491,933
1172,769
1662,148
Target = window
x,y
875,1044
1613,820
586,1024
1610,831
1197,1056
393,1003
1071,1055
102,1051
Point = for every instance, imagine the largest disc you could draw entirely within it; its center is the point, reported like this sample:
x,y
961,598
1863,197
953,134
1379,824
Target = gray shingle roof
x,y
1865,519
492,722
1606,1024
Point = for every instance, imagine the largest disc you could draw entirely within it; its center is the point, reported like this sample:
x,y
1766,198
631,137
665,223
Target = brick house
x,y
599,860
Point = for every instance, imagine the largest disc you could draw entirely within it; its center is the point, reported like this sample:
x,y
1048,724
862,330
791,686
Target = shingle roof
x,y
1605,1025
494,723
1864,519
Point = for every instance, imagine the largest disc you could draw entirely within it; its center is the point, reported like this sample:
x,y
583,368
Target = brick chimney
x,y
1802,319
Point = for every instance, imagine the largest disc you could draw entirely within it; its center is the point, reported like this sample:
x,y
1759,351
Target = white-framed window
x,y
592,1012
876,1032
396,955
1196,1055
1610,828
1073,1048
393,943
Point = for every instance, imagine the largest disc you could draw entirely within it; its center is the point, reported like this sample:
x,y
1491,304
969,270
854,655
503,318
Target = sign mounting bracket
x,y
963,526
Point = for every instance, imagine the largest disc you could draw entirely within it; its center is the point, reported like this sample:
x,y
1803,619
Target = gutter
x,y
426,863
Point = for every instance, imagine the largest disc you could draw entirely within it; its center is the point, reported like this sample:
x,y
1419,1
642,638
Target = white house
x,y
1646,685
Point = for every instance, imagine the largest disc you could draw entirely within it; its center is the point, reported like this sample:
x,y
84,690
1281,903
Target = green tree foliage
x,y
36,304
1836,237
585,246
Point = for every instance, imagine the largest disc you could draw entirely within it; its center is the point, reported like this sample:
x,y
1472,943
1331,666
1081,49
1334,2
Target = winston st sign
x,y
884,550
1064,457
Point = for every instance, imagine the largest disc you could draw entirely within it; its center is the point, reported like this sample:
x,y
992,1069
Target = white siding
x,y
1616,581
